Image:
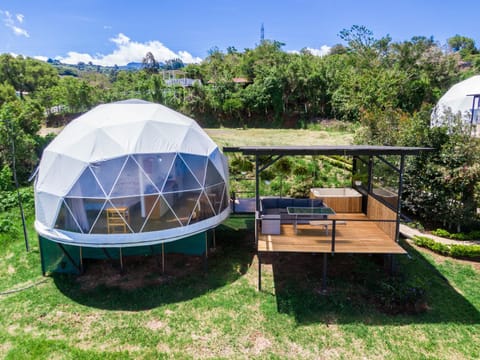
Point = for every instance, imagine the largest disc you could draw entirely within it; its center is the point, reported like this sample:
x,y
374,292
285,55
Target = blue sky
x,y
110,32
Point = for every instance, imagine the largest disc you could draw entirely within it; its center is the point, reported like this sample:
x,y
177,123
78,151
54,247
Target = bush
x,y
453,250
472,235
396,296
441,233
7,225
9,199
6,179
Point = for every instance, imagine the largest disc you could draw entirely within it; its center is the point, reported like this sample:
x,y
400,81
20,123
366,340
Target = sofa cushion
x,y
269,203
276,205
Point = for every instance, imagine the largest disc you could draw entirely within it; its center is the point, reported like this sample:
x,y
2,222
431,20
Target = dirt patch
x,y
156,325
260,342
138,271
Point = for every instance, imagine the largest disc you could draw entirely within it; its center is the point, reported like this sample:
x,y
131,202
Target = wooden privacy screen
x,y
378,211
346,204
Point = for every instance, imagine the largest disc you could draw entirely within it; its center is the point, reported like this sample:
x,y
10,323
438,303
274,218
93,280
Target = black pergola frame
x,y
275,153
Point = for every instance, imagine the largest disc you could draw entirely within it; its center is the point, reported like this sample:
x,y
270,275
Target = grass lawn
x,y
220,314
245,137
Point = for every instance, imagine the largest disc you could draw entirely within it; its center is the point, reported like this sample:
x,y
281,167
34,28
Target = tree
x,y
463,45
149,64
20,122
174,64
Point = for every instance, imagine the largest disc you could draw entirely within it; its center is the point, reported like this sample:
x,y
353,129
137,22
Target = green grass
x,y
220,314
245,137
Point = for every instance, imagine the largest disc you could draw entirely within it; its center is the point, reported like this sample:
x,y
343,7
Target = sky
x,y
108,32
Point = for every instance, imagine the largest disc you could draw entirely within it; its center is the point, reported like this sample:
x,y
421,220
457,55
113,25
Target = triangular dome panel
x,y
161,218
183,204
220,162
215,194
46,208
213,177
66,221
107,172
87,186
156,167
203,209
197,164
180,178
132,181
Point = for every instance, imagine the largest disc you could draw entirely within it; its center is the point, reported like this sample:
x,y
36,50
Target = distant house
x,y
240,80
236,80
185,82
20,94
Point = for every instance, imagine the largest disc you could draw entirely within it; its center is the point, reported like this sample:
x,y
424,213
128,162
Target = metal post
x,y
370,174
334,224
15,179
259,272
121,260
324,273
163,258
257,197
206,253
399,201
354,170
81,260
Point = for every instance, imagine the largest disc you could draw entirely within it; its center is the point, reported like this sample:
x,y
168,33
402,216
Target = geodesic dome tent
x,y
458,103
130,173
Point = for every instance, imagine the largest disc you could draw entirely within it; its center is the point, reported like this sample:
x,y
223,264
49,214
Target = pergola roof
x,y
351,150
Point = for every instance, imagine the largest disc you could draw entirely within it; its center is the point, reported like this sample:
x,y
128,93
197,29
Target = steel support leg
x,y
259,272
324,273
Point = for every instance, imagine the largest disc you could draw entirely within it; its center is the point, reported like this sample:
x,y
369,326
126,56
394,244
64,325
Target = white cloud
x,y
127,51
41,58
20,32
324,50
121,39
12,23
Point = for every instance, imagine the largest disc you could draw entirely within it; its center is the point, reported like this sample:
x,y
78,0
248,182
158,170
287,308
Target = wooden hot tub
x,y
342,200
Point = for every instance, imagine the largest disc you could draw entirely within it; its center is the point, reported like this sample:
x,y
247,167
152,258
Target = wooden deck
x,y
355,236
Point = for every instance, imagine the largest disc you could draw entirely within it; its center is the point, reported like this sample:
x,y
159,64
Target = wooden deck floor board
x,y
352,237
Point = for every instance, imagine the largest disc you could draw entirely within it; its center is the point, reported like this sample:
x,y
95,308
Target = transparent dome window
x,y
143,192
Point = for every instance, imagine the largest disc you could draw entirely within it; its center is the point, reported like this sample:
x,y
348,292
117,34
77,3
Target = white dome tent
x,y
458,103
129,174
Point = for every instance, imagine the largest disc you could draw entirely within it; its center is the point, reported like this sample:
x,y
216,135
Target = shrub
x,y
453,250
7,224
441,233
472,235
396,296
9,199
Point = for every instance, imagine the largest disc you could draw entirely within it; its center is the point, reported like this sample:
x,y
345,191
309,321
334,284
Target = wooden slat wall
x,y
341,204
377,211
344,204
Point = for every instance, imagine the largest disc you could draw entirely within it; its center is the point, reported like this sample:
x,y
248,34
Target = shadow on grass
x,y
143,286
356,290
